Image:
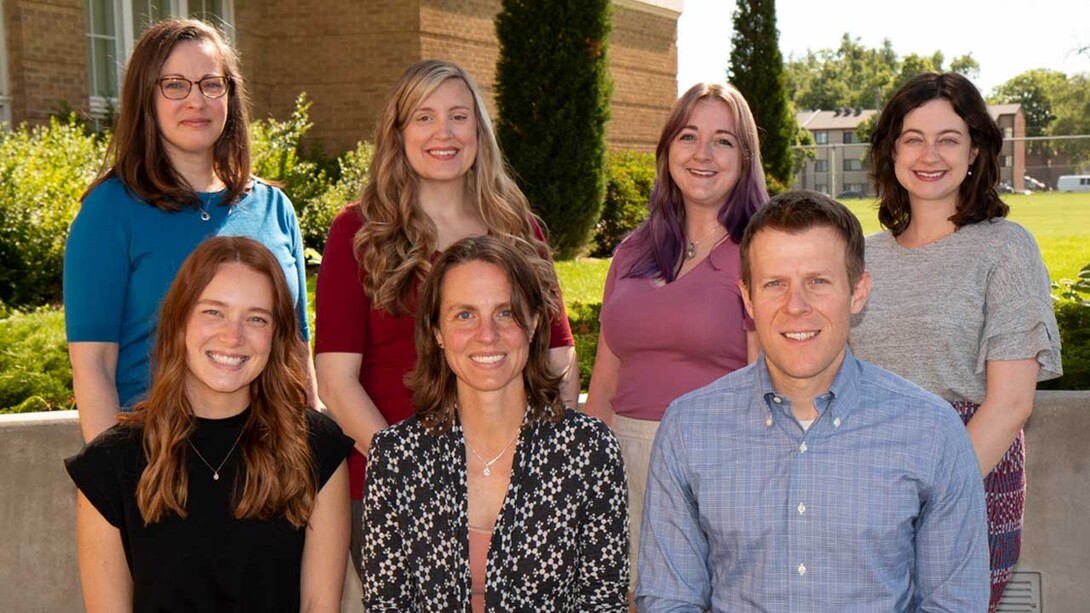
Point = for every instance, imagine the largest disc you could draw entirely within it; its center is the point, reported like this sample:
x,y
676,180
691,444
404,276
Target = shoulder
x,y
347,222
110,197
887,391
118,447
269,195
879,240
323,429
585,428
401,440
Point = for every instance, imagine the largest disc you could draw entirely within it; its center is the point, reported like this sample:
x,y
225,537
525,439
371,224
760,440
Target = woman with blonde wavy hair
x,y
437,176
221,491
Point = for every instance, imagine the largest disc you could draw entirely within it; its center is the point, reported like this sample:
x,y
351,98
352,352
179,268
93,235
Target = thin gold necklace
x,y
487,471
216,470
690,248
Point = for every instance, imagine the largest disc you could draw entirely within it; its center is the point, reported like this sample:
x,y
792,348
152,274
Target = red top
x,y
346,323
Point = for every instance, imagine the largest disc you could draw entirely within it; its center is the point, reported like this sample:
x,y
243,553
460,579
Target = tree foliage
x,y
857,76
756,69
552,95
1054,105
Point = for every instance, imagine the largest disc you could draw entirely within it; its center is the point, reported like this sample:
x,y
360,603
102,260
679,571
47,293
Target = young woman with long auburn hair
x,y
222,490
437,176
177,171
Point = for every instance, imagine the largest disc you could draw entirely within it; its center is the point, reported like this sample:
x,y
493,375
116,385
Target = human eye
x,y
175,86
725,142
463,316
212,313
259,320
424,118
214,86
773,284
686,137
460,117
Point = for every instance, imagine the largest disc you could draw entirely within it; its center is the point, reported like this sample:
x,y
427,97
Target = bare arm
x,y
603,383
325,552
564,360
94,375
1008,403
103,572
339,388
313,400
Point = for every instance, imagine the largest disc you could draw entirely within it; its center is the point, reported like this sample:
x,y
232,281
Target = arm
x,y
564,360
325,551
94,372
1008,403
103,572
339,388
951,534
388,579
603,383
313,399
603,565
674,551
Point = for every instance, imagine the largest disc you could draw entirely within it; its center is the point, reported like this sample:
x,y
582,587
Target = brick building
x,y
346,54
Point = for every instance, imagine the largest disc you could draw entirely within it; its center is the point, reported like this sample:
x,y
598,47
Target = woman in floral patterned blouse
x,y
494,494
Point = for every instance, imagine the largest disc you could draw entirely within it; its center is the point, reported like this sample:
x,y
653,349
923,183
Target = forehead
x,y
451,92
936,115
475,282
193,55
711,113
236,282
774,251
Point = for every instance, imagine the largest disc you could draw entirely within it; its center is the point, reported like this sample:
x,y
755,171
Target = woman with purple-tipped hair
x,y
672,315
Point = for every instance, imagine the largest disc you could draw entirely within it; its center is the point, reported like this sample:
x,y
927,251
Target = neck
x,y
700,222
217,406
443,200
930,222
491,419
197,170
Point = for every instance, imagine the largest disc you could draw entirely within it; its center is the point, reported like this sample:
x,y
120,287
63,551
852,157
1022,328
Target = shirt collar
x,y
841,399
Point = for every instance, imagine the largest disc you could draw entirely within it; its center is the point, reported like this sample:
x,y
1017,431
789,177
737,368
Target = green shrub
x,y
34,370
628,190
43,172
584,326
318,214
1073,316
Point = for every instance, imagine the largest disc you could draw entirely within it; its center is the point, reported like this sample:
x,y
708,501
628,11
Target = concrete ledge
x,y
38,570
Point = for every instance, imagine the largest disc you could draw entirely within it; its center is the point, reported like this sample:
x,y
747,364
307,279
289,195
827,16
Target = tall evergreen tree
x,y
756,69
552,97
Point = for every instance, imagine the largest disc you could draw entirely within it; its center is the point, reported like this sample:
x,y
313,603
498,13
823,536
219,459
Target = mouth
x,y
196,123
802,336
930,175
701,173
444,153
222,359
492,358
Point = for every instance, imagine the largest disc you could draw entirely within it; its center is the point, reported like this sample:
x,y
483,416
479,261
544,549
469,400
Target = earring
x,y
970,172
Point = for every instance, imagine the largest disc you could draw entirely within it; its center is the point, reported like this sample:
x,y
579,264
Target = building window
x,y
850,137
114,26
821,138
1008,132
821,187
1005,161
850,164
821,165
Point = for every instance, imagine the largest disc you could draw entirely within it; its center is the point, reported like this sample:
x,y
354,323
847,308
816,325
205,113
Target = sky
x,y
1006,37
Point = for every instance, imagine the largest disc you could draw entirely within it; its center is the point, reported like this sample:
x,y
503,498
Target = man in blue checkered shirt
x,y
810,480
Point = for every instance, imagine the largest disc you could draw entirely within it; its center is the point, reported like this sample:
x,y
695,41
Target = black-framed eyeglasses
x,y
178,88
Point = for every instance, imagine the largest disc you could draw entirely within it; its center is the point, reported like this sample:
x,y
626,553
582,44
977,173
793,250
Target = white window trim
x,y
5,97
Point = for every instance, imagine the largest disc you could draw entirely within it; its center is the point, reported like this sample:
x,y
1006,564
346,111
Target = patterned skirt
x,y
1005,494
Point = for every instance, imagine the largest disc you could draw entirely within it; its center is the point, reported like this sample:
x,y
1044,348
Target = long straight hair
x,y
279,472
397,240
136,155
658,240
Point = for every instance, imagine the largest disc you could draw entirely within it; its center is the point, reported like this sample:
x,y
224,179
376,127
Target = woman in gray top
x,y
960,298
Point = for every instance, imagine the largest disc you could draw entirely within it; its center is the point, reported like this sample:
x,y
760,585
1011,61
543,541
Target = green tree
x,y
1035,90
756,69
552,94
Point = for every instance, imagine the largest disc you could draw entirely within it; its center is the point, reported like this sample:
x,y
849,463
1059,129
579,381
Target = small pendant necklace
x,y
487,471
216,470
690,248
205,216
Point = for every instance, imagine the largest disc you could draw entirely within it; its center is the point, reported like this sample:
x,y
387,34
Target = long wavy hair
x,y
397,240
136,155
978,198
434,385
278,477
658,240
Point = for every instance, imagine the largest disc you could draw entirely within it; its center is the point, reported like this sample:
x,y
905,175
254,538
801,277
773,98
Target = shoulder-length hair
x,y
398,239
278,475
977,196
434,385
136,155
658,240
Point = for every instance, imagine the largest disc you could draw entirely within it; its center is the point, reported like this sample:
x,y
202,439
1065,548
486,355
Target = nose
x,y
443,128
703,151
488,331
231,332
797,301
931,151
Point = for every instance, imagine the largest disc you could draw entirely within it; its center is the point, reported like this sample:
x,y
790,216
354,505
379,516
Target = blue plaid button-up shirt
x,y
879,506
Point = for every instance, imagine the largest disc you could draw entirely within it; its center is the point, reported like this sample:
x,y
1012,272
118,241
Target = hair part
x,y
797,211
978,198
660,238
398,239
136,155
277,471
434,385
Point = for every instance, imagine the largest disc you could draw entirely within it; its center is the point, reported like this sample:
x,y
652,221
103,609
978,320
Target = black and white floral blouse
x,y
560,542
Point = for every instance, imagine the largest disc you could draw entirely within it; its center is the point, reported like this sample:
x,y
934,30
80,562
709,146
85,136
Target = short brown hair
x,y
433,383
800,210
977,196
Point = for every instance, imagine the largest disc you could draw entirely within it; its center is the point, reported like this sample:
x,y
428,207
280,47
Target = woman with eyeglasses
x,y
177,171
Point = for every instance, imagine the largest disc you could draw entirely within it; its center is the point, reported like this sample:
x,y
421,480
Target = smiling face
x,y
441,134
933,153
191,126
705,158
802,302
228,337
482,341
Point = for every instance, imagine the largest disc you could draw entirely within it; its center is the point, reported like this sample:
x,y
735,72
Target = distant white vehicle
x,y
1073,183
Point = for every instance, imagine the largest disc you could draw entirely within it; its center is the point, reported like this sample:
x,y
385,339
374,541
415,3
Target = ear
x,y
439,338
972,157
745,297
860,293
533,327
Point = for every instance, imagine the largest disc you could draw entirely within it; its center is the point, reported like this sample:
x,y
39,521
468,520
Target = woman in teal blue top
x,y
177,172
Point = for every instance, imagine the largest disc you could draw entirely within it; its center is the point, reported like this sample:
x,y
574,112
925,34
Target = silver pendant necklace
x,y
487,471
690,248
216,470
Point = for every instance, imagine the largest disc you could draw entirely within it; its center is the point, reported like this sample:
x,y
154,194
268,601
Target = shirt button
x,y
803,448
802,569
802,508
777,399
768,421
836,422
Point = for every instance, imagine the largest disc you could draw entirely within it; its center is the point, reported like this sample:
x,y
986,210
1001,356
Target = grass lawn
x,y
1060,222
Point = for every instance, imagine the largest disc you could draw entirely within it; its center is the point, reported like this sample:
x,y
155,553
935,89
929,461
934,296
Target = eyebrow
x,y
719,131
946,131
220,303
460,107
